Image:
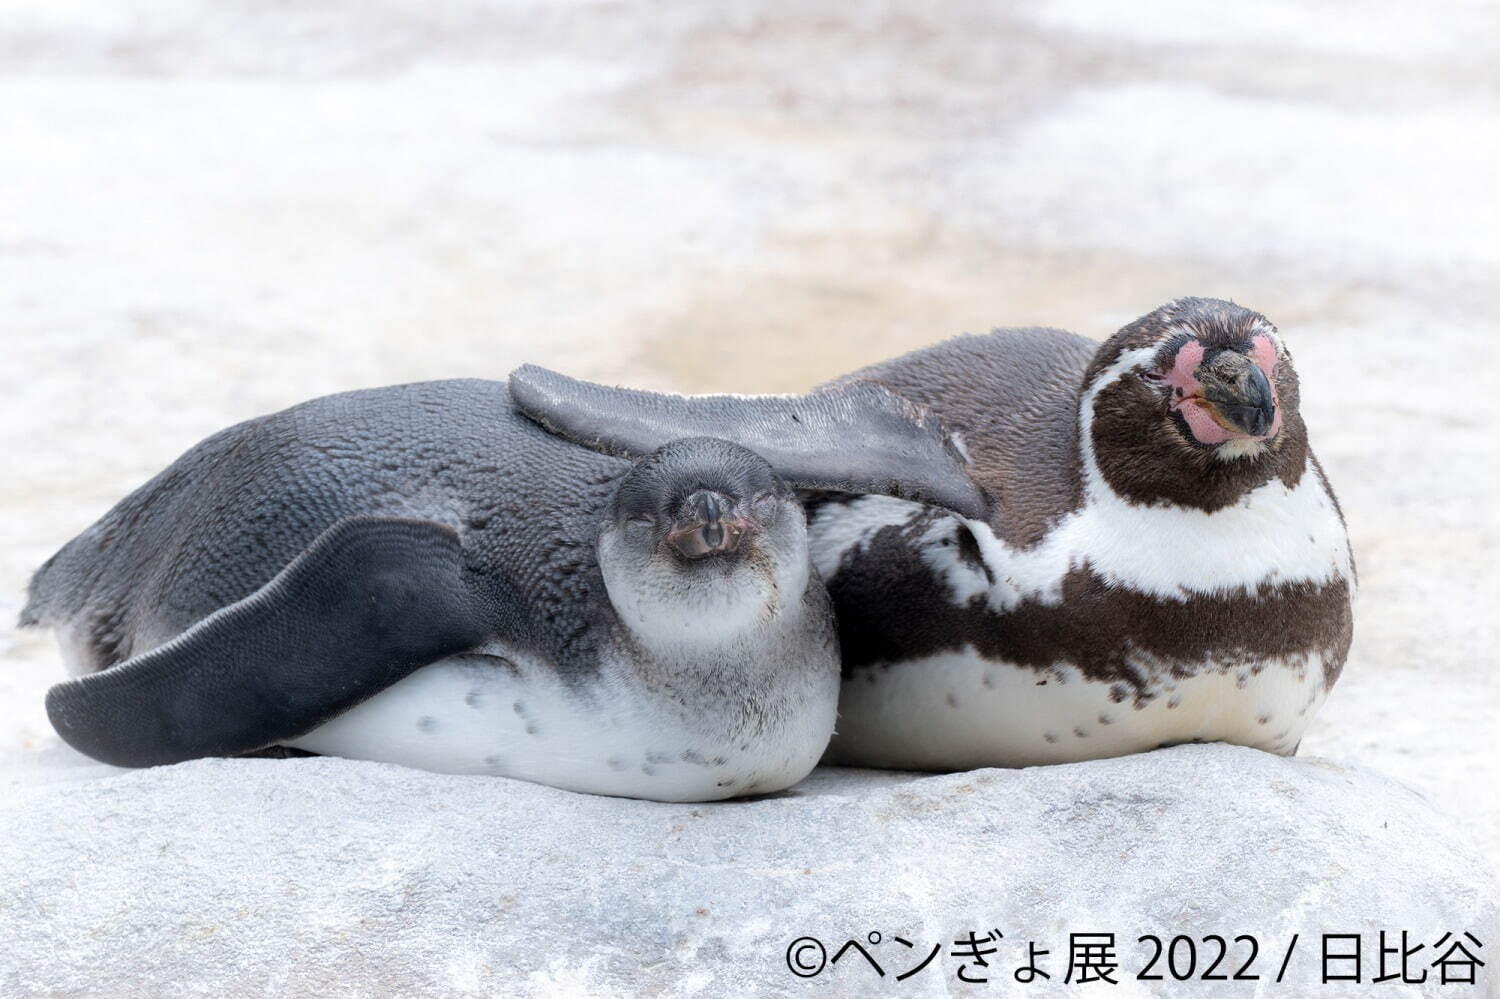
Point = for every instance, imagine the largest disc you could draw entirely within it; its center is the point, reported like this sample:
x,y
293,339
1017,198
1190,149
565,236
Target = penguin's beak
x,y
707,525
1238,394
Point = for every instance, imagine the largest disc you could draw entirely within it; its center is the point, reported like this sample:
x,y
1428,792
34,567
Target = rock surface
x,y
323,876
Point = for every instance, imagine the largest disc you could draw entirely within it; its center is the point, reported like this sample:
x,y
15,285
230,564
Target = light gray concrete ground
x,y
212,210
365,879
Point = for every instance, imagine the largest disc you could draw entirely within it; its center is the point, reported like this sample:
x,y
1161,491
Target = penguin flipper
x,y
369,602
854,438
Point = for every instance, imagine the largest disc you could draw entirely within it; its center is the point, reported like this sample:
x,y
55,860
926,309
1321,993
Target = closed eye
x,y
765,507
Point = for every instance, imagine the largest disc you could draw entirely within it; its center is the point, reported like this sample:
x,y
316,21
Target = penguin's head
x,y
1193,403
702,539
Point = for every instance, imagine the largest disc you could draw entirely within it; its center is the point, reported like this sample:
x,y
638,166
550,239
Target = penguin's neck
x,y
704,616
747,657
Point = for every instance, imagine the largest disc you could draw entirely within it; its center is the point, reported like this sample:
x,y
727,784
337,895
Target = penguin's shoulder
x,y
968,378
1011,398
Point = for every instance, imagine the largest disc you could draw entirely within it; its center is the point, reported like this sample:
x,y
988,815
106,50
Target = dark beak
x,y
1239,392
707,525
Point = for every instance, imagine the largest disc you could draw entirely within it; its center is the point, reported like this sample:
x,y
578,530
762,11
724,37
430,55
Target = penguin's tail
x,y
91,628
60,589
38,607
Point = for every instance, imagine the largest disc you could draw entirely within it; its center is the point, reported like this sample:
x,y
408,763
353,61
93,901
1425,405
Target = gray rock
x,y
323,876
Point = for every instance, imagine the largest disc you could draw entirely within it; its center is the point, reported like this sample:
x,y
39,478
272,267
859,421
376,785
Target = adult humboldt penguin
x,y
418,574
1162,559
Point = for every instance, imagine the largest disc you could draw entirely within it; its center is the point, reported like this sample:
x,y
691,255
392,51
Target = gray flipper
x,y
367,603
857,438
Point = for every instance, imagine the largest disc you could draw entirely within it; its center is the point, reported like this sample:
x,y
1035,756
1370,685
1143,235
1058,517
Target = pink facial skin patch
x,y
1187,393
1263,353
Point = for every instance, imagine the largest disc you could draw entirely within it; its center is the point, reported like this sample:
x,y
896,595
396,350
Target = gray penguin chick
x,y
419,574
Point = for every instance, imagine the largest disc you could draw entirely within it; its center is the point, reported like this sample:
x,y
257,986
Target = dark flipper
x,y
855,438
369,602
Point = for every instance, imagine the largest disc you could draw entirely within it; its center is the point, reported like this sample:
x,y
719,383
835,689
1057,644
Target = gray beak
x,y
1239,392
707,525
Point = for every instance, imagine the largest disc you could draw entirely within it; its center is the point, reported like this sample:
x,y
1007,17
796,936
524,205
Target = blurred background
x,y
211,210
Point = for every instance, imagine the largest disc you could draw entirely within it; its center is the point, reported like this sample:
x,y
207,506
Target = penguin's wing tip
x,y
368,602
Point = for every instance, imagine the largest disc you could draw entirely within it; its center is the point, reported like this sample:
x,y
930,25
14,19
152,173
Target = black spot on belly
x,y
952,701
427,723
1049,737
493,761
648,770
520,709
1106,720
1079,732
473,697
617,763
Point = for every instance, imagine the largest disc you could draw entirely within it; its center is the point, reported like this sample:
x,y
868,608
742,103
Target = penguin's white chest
x,y
958,711
477,714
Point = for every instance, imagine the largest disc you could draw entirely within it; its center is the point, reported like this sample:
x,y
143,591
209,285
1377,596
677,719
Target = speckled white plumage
x,y
959,710
618,735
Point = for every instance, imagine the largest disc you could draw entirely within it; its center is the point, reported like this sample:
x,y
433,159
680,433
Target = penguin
x,y
1162,559
419,575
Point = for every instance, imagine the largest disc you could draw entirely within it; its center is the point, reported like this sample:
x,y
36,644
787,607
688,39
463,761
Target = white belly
x,y
476,715
957,711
